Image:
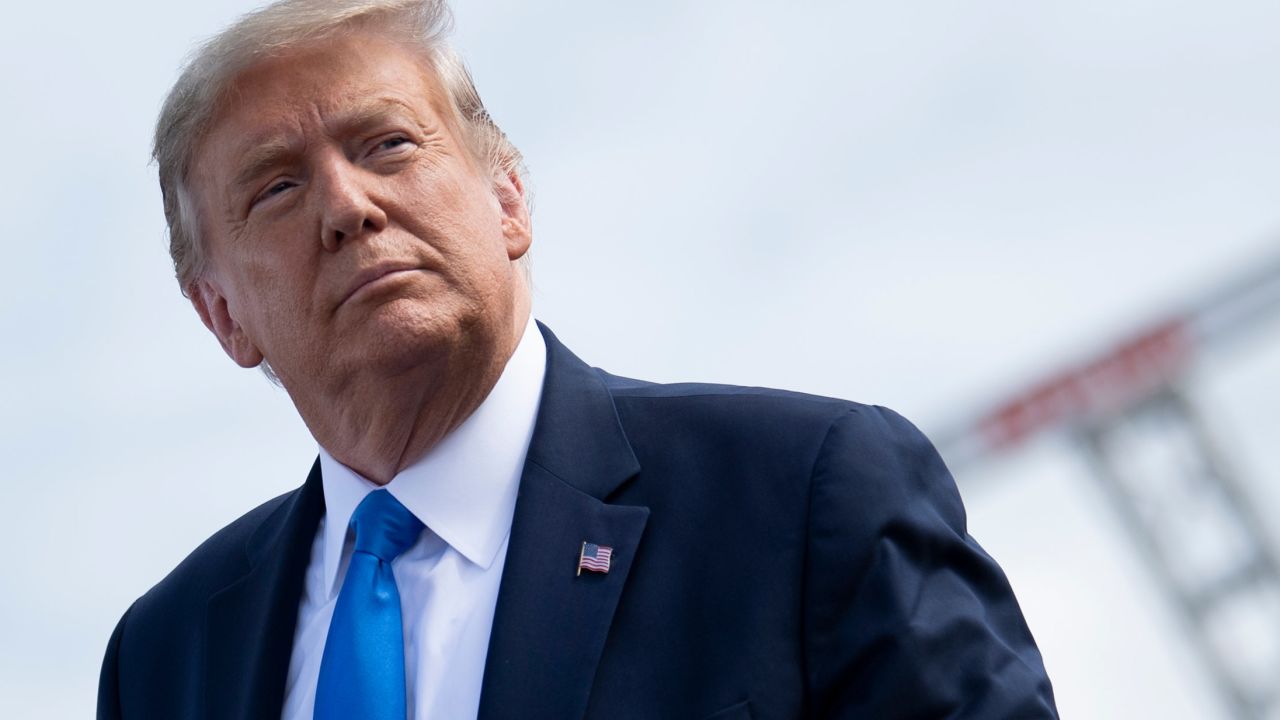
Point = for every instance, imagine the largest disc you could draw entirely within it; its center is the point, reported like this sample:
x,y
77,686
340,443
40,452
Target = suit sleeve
x,y
905,615
109,680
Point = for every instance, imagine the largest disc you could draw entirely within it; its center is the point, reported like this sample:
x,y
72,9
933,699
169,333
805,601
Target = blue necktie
x,y
362,669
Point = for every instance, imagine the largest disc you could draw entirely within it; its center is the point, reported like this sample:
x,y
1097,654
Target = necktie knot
x,y
384,528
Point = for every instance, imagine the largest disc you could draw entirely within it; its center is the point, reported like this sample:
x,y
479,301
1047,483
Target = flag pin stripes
x,y
594,558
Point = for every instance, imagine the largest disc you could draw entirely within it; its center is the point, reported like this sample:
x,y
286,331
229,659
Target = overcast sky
x,y
917,204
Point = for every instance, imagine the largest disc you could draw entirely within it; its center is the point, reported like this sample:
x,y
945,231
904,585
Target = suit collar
x,y
578,437
251,621
550,624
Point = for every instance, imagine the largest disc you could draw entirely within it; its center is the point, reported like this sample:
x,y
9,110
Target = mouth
x,y
369,279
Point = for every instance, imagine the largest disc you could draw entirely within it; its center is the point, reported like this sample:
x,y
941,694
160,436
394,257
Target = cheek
x,y
452,201
269,295
278,249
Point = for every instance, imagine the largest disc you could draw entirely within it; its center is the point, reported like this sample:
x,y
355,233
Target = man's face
x,y
347,226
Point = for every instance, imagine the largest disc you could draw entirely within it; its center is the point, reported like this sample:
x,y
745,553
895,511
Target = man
x,y
492,527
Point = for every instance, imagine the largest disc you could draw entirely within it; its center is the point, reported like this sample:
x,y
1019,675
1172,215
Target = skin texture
x,y
358,247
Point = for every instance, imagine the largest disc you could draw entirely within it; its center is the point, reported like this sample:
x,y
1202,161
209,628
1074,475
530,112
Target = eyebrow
x,y
262,157
374,111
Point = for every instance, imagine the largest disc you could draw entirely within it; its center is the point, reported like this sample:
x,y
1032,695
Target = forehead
x,y
315,85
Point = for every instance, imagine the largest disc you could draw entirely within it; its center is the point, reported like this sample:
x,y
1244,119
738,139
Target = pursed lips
x,y
373,274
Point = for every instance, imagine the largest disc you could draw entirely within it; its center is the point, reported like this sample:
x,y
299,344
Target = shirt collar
x,y
464,488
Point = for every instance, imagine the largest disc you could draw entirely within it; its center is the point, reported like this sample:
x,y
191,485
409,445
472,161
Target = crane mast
x,y
1130,412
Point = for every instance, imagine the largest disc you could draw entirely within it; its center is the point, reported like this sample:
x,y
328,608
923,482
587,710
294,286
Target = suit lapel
x,y
550,624
251,621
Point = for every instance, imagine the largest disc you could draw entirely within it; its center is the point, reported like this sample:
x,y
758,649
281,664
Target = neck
x,y
378,425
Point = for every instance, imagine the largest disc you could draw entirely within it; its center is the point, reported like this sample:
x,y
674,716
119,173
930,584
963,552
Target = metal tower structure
x,y
1187,511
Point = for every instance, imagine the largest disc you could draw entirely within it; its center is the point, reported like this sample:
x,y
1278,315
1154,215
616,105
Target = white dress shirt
x,y
464,491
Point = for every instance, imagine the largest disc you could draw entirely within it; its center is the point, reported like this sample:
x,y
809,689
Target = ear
x,y
516,227
211,306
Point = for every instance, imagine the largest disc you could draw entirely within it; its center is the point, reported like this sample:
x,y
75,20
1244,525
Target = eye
x,y
391,144
277,188
273,190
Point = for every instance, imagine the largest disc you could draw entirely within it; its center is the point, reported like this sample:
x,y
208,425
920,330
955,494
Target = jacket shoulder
x,y
216,562
155,658
766,448
755,410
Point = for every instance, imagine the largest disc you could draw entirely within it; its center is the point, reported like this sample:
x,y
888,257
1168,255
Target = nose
x,y
349,208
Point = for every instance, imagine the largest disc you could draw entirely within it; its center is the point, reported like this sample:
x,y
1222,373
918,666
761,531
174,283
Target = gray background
x,y
916,204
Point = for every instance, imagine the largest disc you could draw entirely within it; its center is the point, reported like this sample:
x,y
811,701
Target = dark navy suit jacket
x,y
775,555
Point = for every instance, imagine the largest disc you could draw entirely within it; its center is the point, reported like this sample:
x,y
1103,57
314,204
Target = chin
x,y
403,335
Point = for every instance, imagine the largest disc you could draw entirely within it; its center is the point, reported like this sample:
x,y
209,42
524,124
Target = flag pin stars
x,y
594,558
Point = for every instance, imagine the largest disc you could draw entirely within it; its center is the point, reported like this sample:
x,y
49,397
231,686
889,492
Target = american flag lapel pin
x,y
594,558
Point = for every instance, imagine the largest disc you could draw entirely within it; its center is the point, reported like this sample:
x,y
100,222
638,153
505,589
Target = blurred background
x,y
1048,233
